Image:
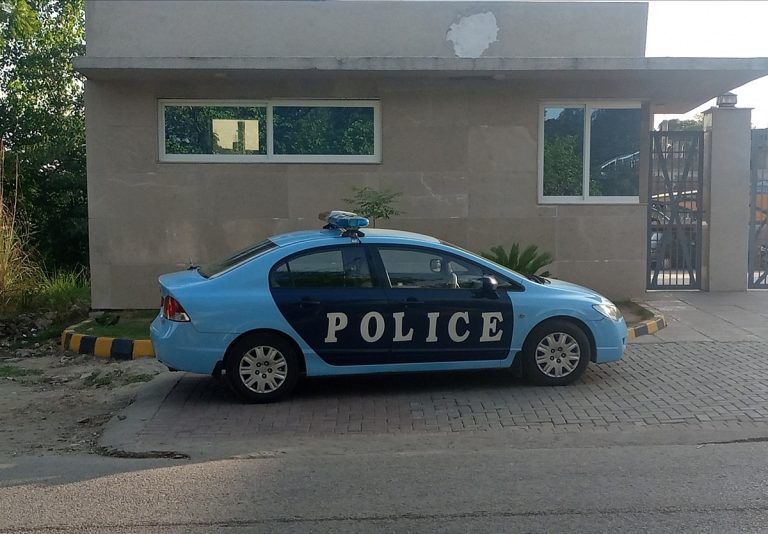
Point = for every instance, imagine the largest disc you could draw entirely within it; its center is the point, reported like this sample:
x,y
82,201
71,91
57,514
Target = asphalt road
x,y
476,483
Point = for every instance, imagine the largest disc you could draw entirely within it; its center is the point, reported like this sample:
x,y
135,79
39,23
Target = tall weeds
x,y
19,274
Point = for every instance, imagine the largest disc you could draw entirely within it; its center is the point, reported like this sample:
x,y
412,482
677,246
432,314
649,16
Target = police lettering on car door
x,y
373,327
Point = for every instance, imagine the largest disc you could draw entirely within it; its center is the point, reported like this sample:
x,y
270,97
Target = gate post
x,y
727,145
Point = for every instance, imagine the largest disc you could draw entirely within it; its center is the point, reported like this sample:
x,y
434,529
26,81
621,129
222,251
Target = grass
x,y
19,273
12,371
129,325
51,332
134,379
97,380
65,293
62,290
24,283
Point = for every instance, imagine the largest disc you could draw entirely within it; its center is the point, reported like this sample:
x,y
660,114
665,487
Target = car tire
x,y
558,337
262,368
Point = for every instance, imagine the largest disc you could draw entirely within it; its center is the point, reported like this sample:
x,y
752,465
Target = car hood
x,y
568,287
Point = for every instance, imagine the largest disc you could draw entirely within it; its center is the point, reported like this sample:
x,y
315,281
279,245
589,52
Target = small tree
x,y
374,204
696,123
42,121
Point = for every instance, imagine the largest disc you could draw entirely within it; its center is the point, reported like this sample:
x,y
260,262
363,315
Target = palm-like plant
x,y
528,262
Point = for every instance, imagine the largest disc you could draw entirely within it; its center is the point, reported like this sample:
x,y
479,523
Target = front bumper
x,y
180,346
610,339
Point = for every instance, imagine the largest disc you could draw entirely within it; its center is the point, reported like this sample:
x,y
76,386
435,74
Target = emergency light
x,y
343,220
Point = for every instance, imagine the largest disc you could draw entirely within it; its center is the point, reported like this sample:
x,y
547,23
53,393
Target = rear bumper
x,y
610,339
181,347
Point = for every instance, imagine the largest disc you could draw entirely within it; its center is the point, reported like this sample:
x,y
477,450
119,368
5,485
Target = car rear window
x,y
212,269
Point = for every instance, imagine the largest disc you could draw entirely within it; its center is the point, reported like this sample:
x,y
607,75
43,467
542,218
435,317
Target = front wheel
x,y
262,368
556,353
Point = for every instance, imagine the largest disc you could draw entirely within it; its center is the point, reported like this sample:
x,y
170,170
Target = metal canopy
x,y
672,85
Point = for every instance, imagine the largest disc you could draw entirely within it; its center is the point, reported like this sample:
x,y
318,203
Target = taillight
x,y
174,311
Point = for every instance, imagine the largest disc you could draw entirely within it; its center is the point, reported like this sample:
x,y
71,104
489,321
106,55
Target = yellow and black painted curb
x,y
131,349
106,347
651,326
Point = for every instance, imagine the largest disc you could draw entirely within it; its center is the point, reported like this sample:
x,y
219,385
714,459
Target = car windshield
x,y
215,268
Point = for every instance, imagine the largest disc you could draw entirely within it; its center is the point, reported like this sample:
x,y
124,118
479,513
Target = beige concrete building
x,y
213,124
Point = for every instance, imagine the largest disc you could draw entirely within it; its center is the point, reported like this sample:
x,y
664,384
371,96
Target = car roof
x,y
312,235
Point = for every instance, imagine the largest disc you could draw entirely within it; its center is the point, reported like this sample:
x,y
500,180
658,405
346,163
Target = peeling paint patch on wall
x,y
472,35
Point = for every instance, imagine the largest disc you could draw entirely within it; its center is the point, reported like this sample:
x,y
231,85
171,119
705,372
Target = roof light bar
x,y
343,220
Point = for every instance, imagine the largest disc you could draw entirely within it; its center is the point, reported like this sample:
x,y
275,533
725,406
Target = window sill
x,y
356,160
590,200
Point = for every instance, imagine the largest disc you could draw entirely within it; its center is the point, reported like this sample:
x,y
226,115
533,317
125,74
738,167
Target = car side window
x,y
429,269
334,267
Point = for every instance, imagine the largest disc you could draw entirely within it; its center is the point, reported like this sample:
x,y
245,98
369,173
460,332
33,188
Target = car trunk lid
x,y
172,282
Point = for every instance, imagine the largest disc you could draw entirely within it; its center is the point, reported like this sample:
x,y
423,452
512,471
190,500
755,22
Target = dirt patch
x,y
58,402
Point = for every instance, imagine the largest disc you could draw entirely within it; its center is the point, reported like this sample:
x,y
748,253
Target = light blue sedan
x,y
346,300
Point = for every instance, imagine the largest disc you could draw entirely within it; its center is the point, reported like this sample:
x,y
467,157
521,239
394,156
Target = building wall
x,y
463,152
217,28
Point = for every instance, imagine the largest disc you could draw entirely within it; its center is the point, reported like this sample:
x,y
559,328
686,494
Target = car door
x,y
325,294
442,310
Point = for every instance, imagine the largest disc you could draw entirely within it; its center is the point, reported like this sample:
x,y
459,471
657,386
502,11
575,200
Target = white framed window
x,y
269,131
589,152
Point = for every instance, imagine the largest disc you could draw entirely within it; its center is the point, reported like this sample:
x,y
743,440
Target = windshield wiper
x,y
538,279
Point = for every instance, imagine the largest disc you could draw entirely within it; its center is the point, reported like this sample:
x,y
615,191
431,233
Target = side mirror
x,y
490,284
436,265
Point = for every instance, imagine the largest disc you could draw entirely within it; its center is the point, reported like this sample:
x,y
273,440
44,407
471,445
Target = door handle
x,y
413,301
307,302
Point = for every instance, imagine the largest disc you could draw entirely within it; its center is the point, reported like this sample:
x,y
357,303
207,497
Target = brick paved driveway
x,y
706,384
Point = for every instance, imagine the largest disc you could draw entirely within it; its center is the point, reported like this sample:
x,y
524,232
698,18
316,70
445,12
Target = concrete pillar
x,y
727,148
646,125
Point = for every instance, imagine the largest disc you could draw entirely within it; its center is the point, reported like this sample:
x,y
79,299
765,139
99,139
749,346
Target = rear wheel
x,y
262,368
556,353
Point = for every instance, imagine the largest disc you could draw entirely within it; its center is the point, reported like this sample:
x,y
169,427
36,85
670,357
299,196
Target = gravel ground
x,y
56,402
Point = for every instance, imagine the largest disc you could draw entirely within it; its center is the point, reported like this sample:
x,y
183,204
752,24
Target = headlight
x,y
608,309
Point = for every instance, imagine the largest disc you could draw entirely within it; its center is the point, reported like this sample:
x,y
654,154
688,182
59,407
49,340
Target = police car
x,y
346,299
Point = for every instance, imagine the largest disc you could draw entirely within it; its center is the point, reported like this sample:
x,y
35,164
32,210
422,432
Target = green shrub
x,y
62,290
529,261
374,204
24,284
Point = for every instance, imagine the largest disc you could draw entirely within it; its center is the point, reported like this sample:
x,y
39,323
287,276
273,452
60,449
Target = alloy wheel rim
x,y
263,369
558,355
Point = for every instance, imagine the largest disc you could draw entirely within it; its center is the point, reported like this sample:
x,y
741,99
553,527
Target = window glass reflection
x,y
563,151
614,152
323,130
215,130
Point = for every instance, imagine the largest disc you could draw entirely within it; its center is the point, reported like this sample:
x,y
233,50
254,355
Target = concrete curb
x,y
651,326
106,347
120,433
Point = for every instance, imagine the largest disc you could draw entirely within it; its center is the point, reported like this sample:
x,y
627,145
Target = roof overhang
x,y
671,85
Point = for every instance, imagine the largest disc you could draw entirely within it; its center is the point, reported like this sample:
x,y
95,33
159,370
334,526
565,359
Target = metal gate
x,y
675,187
758,220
